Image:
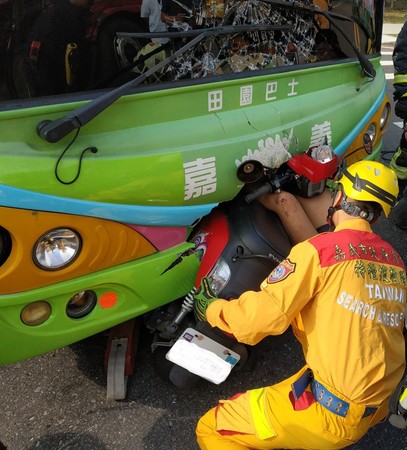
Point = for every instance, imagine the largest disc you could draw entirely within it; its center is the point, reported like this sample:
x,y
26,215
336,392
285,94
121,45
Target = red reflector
x,y
108,299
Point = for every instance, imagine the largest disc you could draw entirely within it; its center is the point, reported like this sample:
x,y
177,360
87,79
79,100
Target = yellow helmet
x,y
371,181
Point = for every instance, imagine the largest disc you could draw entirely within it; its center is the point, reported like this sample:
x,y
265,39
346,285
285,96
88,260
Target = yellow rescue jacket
x,y
344,293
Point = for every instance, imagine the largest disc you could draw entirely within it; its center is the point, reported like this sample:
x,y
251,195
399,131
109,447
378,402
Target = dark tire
x,y
168,371
182,378
248,357
161,364
114,53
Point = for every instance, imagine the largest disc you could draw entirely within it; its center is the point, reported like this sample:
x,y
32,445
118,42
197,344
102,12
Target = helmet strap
x,y
332,209
354,210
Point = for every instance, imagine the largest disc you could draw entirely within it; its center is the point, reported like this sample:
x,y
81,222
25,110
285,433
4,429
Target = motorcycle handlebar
x,y
272,185
265,189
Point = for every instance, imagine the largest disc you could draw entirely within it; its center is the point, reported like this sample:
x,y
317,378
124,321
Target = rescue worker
x,y
344,293
151,11
399,160
57,59
399,214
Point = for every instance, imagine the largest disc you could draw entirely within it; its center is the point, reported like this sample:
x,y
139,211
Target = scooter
x,y
239,243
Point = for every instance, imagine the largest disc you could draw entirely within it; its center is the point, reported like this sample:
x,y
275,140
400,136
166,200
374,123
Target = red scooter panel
x,y
210,240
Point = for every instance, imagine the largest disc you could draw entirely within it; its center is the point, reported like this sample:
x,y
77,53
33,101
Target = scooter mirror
x,y
250,171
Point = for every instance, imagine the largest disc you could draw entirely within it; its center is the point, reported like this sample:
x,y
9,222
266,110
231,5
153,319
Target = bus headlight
x,y
385,116
371,131
56,249
5,245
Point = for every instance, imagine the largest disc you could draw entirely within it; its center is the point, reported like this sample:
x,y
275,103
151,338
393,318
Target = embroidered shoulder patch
x,y
281,272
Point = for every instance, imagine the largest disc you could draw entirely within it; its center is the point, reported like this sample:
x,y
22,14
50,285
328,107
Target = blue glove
x,y
203,297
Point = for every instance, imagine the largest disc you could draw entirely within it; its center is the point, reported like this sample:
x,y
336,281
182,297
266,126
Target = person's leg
x,y
316,208
230,426
300,216
399,161
270,418
399,164
292,215
209,439
399,212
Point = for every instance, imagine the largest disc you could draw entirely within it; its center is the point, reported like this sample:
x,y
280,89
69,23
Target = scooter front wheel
x,y
182,378
167,370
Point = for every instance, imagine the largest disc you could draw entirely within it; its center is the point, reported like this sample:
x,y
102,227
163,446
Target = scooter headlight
x,y
56,249
219,276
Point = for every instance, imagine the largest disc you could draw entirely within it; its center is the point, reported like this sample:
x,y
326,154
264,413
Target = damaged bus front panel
x,y
100,183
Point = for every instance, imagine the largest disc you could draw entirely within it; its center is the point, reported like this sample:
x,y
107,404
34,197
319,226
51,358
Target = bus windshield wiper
x,y
367,67
55,130
213,31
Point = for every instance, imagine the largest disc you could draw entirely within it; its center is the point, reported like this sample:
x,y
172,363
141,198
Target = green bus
x,y
100,186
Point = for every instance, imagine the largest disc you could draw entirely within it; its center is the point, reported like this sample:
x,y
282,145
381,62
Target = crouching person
x,y
344,294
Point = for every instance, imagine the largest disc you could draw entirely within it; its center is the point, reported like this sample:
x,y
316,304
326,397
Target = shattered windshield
x,y
251,50
95,45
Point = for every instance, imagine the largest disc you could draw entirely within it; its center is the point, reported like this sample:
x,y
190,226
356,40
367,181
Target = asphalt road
x,y
58,401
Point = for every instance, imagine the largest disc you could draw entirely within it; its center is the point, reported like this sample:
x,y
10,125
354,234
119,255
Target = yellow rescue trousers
x,y
270,418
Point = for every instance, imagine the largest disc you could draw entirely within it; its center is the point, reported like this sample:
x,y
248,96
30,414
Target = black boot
x,y
401,160
399,212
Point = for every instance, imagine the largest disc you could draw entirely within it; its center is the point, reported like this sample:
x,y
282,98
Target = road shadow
x,y
67,441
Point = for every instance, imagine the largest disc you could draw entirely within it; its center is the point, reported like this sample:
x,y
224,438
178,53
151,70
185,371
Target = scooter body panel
x,y
249,238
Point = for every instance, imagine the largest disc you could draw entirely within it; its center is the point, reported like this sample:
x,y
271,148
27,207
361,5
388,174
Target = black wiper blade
x,y
54,131
367,67
135,63
213,31
313,9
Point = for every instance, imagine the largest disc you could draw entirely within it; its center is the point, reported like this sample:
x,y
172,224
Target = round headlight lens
x,y
57,249
5,245
371,131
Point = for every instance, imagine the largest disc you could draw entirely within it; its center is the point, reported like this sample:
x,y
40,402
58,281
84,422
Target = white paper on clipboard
x,y
203,356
